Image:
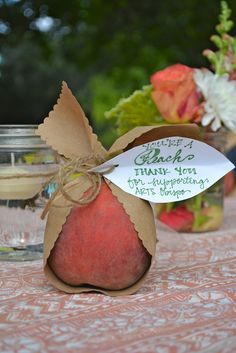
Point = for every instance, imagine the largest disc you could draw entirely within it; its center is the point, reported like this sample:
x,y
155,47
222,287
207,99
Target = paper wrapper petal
x,y
143,134
67,129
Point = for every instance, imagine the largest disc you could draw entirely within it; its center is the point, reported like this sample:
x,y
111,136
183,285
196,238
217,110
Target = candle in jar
x,y
22,183
16,183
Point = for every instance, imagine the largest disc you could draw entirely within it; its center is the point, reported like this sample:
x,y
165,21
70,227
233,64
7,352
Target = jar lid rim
x,y
18,131
32,126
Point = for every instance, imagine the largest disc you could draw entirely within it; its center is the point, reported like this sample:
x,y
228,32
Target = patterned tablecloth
x,y
187,304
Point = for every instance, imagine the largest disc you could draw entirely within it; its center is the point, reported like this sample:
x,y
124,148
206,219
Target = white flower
x,y
220,99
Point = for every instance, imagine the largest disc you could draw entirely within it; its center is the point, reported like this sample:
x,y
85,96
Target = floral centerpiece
x,y
181,94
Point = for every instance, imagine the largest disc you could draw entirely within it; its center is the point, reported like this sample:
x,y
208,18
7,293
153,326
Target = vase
x,y
203,212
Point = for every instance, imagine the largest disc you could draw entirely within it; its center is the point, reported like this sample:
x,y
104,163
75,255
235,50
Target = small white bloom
x,y
220,99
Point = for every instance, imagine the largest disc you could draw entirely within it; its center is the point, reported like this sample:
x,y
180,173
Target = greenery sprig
x,y
224,60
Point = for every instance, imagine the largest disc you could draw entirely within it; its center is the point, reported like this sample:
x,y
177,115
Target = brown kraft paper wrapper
x,y
67,130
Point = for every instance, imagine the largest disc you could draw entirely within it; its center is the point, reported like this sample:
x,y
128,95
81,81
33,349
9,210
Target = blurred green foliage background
x,y
103,49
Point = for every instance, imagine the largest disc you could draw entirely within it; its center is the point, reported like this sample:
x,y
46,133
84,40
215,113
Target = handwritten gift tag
x,y
166,170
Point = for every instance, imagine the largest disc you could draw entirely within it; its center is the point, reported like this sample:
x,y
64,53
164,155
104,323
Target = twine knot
x,y
81,166
69,171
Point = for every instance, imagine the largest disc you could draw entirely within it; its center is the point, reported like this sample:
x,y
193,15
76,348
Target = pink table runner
x,y
187,304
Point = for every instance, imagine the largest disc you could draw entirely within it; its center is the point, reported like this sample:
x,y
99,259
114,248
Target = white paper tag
x,y
166,170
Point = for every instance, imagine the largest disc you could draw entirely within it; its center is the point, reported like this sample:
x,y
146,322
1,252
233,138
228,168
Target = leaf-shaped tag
x,y
166,170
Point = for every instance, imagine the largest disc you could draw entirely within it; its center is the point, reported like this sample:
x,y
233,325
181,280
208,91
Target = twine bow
x,y
80,166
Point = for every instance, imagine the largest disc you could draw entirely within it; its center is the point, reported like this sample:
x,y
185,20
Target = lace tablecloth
x,y
187,304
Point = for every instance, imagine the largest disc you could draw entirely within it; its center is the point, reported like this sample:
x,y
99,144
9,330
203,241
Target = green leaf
x,y
136,110
217,41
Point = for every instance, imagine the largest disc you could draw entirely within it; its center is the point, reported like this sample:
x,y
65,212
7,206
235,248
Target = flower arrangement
x,y
180,94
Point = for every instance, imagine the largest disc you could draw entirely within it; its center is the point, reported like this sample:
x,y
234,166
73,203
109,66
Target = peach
x,y
99,246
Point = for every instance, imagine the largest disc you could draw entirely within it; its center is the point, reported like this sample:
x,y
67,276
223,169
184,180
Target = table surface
x,y
186,305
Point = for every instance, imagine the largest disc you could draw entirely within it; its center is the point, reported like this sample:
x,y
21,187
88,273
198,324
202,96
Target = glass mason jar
x,y
27,169
203,212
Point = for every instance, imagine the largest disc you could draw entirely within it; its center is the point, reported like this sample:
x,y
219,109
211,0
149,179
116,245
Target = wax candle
x,y
17,183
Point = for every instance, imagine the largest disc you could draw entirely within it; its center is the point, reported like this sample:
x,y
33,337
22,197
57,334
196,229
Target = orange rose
x,y
175,94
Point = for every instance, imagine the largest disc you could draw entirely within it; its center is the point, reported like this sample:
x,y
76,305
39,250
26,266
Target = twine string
x,y
80,166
